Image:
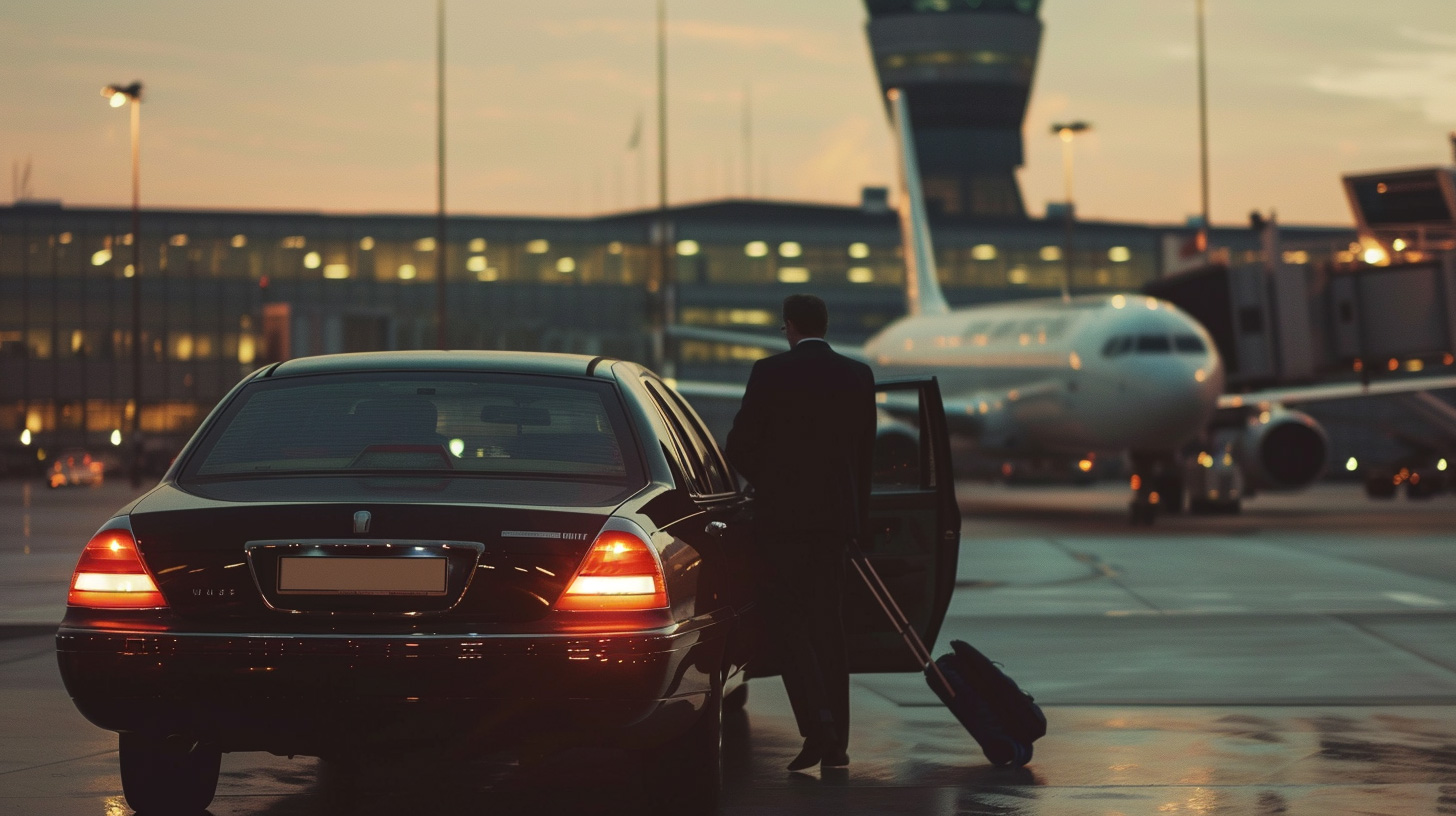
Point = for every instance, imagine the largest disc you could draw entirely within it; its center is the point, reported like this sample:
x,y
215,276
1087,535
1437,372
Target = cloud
x,y
1425,81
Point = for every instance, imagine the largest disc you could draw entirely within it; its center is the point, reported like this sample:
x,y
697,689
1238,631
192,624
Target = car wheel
x,y
685,775
163,780
738,699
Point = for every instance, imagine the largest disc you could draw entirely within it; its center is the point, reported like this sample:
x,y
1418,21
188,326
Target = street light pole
x,y
1202,133
122,95
1067,132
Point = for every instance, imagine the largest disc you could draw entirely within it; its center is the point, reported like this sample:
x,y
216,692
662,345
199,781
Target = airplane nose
x,y
1176,404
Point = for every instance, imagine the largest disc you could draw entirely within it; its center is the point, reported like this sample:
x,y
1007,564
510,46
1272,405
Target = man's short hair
x,y
808,314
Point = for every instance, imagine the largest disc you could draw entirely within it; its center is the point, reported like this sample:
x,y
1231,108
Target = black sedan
x,y
459,551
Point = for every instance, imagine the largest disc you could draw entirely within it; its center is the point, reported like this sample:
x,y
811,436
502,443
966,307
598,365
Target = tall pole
x,y
1202,132
748,140
441,248
136,287
668,297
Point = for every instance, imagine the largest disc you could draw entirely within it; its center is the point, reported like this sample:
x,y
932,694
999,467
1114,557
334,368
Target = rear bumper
x,y
319,694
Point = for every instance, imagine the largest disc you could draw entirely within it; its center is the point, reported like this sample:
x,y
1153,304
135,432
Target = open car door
x,y
915,527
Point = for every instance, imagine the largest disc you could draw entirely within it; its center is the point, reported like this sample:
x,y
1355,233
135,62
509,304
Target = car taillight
x,y
621,572
111,575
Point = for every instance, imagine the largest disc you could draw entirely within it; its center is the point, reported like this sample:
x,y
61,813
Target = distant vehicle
x,y
75,467
1420,481
455,552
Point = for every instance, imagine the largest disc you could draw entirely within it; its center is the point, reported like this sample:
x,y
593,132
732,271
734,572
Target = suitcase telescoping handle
x,y
901,624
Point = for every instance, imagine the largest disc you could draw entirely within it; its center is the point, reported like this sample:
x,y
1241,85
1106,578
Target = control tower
x,y
966,68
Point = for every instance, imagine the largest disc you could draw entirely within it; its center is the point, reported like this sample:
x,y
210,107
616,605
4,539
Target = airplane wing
x,y
743,338
1334,391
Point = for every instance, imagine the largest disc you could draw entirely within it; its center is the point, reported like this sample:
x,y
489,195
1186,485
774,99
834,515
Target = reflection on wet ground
x,y
1096,760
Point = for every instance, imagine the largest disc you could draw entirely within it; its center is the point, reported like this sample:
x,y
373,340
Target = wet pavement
x,y
1297,659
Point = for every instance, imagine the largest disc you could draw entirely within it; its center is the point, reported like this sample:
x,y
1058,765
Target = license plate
x,y
343,575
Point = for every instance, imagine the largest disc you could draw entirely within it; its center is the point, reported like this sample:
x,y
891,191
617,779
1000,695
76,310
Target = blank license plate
x,y
341,575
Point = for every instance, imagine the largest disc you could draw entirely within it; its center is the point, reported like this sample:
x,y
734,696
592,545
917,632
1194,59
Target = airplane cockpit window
x,y
1153,344
1116,346
1189,343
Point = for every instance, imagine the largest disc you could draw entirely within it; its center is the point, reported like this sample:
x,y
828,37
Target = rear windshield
x,y
391,423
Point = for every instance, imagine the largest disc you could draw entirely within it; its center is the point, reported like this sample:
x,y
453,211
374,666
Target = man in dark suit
x,y
804,439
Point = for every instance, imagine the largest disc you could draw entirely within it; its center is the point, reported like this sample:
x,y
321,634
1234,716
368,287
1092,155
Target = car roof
x,y
514,362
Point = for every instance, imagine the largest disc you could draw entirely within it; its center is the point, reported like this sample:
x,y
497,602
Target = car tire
x,y
165,780
737,699
685,776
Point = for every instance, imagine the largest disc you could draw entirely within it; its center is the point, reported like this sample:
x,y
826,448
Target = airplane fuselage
x,y
1097,373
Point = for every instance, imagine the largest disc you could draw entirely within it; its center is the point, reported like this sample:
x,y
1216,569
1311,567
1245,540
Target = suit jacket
x,y
804,438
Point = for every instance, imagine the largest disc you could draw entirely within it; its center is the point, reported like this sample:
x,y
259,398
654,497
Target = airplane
x,y
1075,377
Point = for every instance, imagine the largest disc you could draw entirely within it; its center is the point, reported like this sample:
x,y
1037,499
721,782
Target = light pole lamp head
x,y
1066,130
122,94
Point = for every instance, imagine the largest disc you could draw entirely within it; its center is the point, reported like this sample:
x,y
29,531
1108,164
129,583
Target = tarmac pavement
x,y
1297,659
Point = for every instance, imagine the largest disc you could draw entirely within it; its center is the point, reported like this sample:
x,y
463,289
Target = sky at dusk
x,y
329,104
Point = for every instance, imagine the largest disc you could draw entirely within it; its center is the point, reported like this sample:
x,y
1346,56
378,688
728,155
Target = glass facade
x,y
225,292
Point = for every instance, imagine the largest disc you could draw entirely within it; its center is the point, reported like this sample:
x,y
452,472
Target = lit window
x,y
336,271
1051,253
1119,254
793,274
1017,275
983,252
240,241
65,238
293,242
615,248
755,249
750,317
790,249
477,244
565,265
540,246
487,274
687,247
407,272
129,271
476,263
861,274
1297,256
425,245
100,257
178,240
859,249
366,243
312,260
246,349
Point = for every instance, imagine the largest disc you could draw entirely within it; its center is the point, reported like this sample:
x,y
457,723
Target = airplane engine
x,y
1282,450
897,452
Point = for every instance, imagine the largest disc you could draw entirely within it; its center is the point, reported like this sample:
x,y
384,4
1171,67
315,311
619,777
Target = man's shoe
x,y
808,757
838,760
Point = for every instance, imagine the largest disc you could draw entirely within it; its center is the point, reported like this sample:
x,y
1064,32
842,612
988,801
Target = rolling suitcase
x,y
1003,719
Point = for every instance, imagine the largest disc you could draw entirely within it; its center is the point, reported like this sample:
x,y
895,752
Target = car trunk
x,y
302,565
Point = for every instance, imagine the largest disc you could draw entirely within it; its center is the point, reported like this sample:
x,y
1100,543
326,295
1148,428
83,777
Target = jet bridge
x,y
1385,305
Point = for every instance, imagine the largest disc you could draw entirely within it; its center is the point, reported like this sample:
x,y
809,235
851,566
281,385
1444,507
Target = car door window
x,y
914,525
698,482
720,478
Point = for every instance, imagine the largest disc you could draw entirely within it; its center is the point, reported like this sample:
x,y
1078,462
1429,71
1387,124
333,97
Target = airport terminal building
x,y
224,292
